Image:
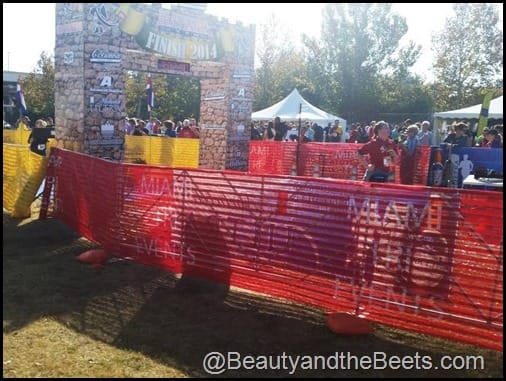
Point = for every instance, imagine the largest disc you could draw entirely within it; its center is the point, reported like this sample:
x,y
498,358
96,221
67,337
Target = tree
x,y
281,68
469,55
176,97
359,47
182,98
401,94
135,90
38,88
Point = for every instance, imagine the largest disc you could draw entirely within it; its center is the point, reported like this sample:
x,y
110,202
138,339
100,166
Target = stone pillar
x,y
240,91
213,121
226,107
69,76
104,83
90,99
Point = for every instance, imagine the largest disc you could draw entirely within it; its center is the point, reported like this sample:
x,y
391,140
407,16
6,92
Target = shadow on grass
x,y
141,309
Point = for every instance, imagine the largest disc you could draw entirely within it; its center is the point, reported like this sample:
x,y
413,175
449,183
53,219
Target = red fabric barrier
x,y
276,158
413,257
336,160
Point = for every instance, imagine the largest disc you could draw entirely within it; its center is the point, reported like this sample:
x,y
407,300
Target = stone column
x,y
69,76
89,99
104,83
241,102
226,107
213,121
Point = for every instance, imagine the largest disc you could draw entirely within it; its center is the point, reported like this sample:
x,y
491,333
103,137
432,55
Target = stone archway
x,y
96,43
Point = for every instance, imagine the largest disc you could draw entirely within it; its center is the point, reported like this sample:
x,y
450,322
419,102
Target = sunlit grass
x,y
65,319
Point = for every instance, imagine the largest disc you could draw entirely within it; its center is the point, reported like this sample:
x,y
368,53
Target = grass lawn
x,y
65,319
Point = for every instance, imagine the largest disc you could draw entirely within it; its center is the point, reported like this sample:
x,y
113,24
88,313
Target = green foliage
x,y
181,99
176,97
357,70
469,56
282,67
38,89
359,52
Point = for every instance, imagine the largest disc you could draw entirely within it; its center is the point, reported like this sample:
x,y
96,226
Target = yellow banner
x,y
482,123
159,150
23,172
17,136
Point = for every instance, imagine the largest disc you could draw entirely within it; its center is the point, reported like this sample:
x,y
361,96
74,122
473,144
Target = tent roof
x,y
473,112
288,110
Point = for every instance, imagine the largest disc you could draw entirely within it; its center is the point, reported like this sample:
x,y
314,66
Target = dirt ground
x,y
65,319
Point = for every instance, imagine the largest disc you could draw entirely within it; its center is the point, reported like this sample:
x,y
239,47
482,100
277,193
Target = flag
x,y
150,94
482,122
21,100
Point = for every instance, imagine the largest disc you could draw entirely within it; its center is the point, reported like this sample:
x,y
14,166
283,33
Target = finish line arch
x,y
96,43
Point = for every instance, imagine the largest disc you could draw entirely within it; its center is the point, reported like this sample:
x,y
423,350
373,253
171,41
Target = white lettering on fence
x,y
156,185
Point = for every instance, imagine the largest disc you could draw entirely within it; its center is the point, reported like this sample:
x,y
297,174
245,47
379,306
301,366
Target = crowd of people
x,y
459,133
283,131
383,144
188,128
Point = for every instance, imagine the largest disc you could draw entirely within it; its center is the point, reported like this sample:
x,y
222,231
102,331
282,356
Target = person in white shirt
x,y
425,135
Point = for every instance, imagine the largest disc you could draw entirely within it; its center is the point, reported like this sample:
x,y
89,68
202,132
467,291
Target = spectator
x,y
425,135
309,134
129,126
363,134
138,130
24,123
408,160
339,130
38,139
269,132
254,133
480,140
293,133
169,128
458,138
493,139
318,133
187,131
280,129
371,130
354,134
49,122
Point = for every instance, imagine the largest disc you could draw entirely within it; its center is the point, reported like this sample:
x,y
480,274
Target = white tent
x,y
473,112
289,110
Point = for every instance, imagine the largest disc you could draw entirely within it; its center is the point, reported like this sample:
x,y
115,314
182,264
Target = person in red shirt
x,y
382,154
354,134
188,131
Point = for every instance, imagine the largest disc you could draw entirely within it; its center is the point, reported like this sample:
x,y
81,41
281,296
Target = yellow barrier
x,y
159,150
18,136
23,172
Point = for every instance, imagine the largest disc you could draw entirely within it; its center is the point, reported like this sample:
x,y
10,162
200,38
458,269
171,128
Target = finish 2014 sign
x,y
188,41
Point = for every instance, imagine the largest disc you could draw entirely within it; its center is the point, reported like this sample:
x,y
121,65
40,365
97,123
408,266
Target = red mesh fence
x,y
414,257
276,158
336,160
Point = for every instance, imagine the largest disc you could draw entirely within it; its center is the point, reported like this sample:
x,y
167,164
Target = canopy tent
x,y
473,112
289,109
